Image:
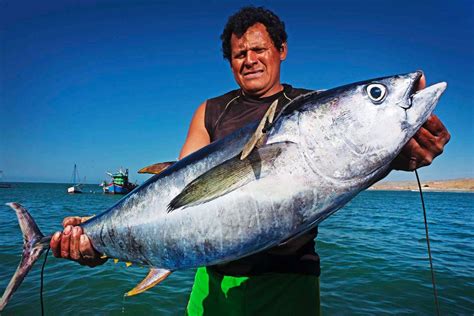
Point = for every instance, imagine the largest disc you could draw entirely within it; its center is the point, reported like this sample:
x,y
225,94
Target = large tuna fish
x,y
260,186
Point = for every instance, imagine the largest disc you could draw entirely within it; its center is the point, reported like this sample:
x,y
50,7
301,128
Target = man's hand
x,y
73,244
425,145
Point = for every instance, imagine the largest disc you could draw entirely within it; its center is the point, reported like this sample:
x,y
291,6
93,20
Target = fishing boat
x,y
119,183
75,188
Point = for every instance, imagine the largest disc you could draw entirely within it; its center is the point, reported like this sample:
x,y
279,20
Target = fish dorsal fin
x,y
258,136
156,168
154,277
228,176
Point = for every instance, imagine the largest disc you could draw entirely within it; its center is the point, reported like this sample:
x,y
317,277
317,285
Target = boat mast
x,y
75,173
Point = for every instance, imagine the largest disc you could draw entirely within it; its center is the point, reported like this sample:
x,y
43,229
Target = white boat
x,y
76,188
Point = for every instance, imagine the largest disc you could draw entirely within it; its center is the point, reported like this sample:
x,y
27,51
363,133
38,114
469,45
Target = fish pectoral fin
x,y
258,137
156,168
154,277
228,176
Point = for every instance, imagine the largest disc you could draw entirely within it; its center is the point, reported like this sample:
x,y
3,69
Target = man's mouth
x,y
252,74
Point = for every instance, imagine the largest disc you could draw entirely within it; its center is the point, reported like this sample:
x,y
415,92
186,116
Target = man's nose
x,y
251,58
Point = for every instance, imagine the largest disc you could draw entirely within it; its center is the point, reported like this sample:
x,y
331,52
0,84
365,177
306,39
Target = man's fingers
x,y
75,220
437,128
426,139
74,243
432,144
55,244
407,150
71,220
421,83
89,256
65,242
413,156
420,156
85,247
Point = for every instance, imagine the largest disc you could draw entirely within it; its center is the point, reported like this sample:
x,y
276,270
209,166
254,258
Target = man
x,y
284,279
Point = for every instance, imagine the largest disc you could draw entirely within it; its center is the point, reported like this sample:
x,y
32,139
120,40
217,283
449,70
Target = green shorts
x,y
268,294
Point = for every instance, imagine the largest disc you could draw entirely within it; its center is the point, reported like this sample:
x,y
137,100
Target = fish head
x,y
356,130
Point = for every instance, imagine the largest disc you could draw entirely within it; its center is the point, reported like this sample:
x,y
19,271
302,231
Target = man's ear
x,y
283,51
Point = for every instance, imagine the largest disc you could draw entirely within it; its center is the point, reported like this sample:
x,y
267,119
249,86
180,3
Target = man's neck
x,y
269,93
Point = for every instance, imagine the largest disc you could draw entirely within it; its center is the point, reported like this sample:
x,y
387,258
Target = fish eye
x,y
376,92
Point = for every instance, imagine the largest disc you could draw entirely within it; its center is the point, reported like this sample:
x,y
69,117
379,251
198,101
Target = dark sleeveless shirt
x,y
224,115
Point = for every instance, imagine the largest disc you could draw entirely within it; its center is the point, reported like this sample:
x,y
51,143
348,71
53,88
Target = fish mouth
x,y
416,81
425,98
422,103
434,90
412,88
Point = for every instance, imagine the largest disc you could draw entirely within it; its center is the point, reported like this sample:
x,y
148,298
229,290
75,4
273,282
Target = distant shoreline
x,y
455,185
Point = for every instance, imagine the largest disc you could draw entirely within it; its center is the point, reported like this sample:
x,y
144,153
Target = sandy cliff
x,y
466,185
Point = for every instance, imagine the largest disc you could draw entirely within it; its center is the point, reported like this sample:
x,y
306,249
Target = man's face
x,y
255,61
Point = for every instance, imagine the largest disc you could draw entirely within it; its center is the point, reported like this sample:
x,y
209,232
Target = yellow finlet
x,y
154,277
116,261
128,264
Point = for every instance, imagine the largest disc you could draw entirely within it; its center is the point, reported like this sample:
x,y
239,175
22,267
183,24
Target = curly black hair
x,y
246,17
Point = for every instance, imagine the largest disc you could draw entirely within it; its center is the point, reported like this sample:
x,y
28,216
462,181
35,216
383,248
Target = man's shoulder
x,y
215,107
223,99
293,92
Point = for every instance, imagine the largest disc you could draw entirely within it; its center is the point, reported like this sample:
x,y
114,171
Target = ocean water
x,y
373,258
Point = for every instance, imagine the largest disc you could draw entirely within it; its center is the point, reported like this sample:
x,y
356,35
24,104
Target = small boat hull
x,y
116,189
74,189
119,183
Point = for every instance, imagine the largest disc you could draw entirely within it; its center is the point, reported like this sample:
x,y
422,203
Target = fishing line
x,y
433,281
41,282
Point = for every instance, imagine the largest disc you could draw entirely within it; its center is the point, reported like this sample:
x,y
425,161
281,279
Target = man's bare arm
x,y
198,136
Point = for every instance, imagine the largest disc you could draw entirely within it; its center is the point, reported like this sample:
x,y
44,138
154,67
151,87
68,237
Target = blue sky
x,y
109,84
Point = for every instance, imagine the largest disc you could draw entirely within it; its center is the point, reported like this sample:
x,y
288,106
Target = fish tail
x,y
34,244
